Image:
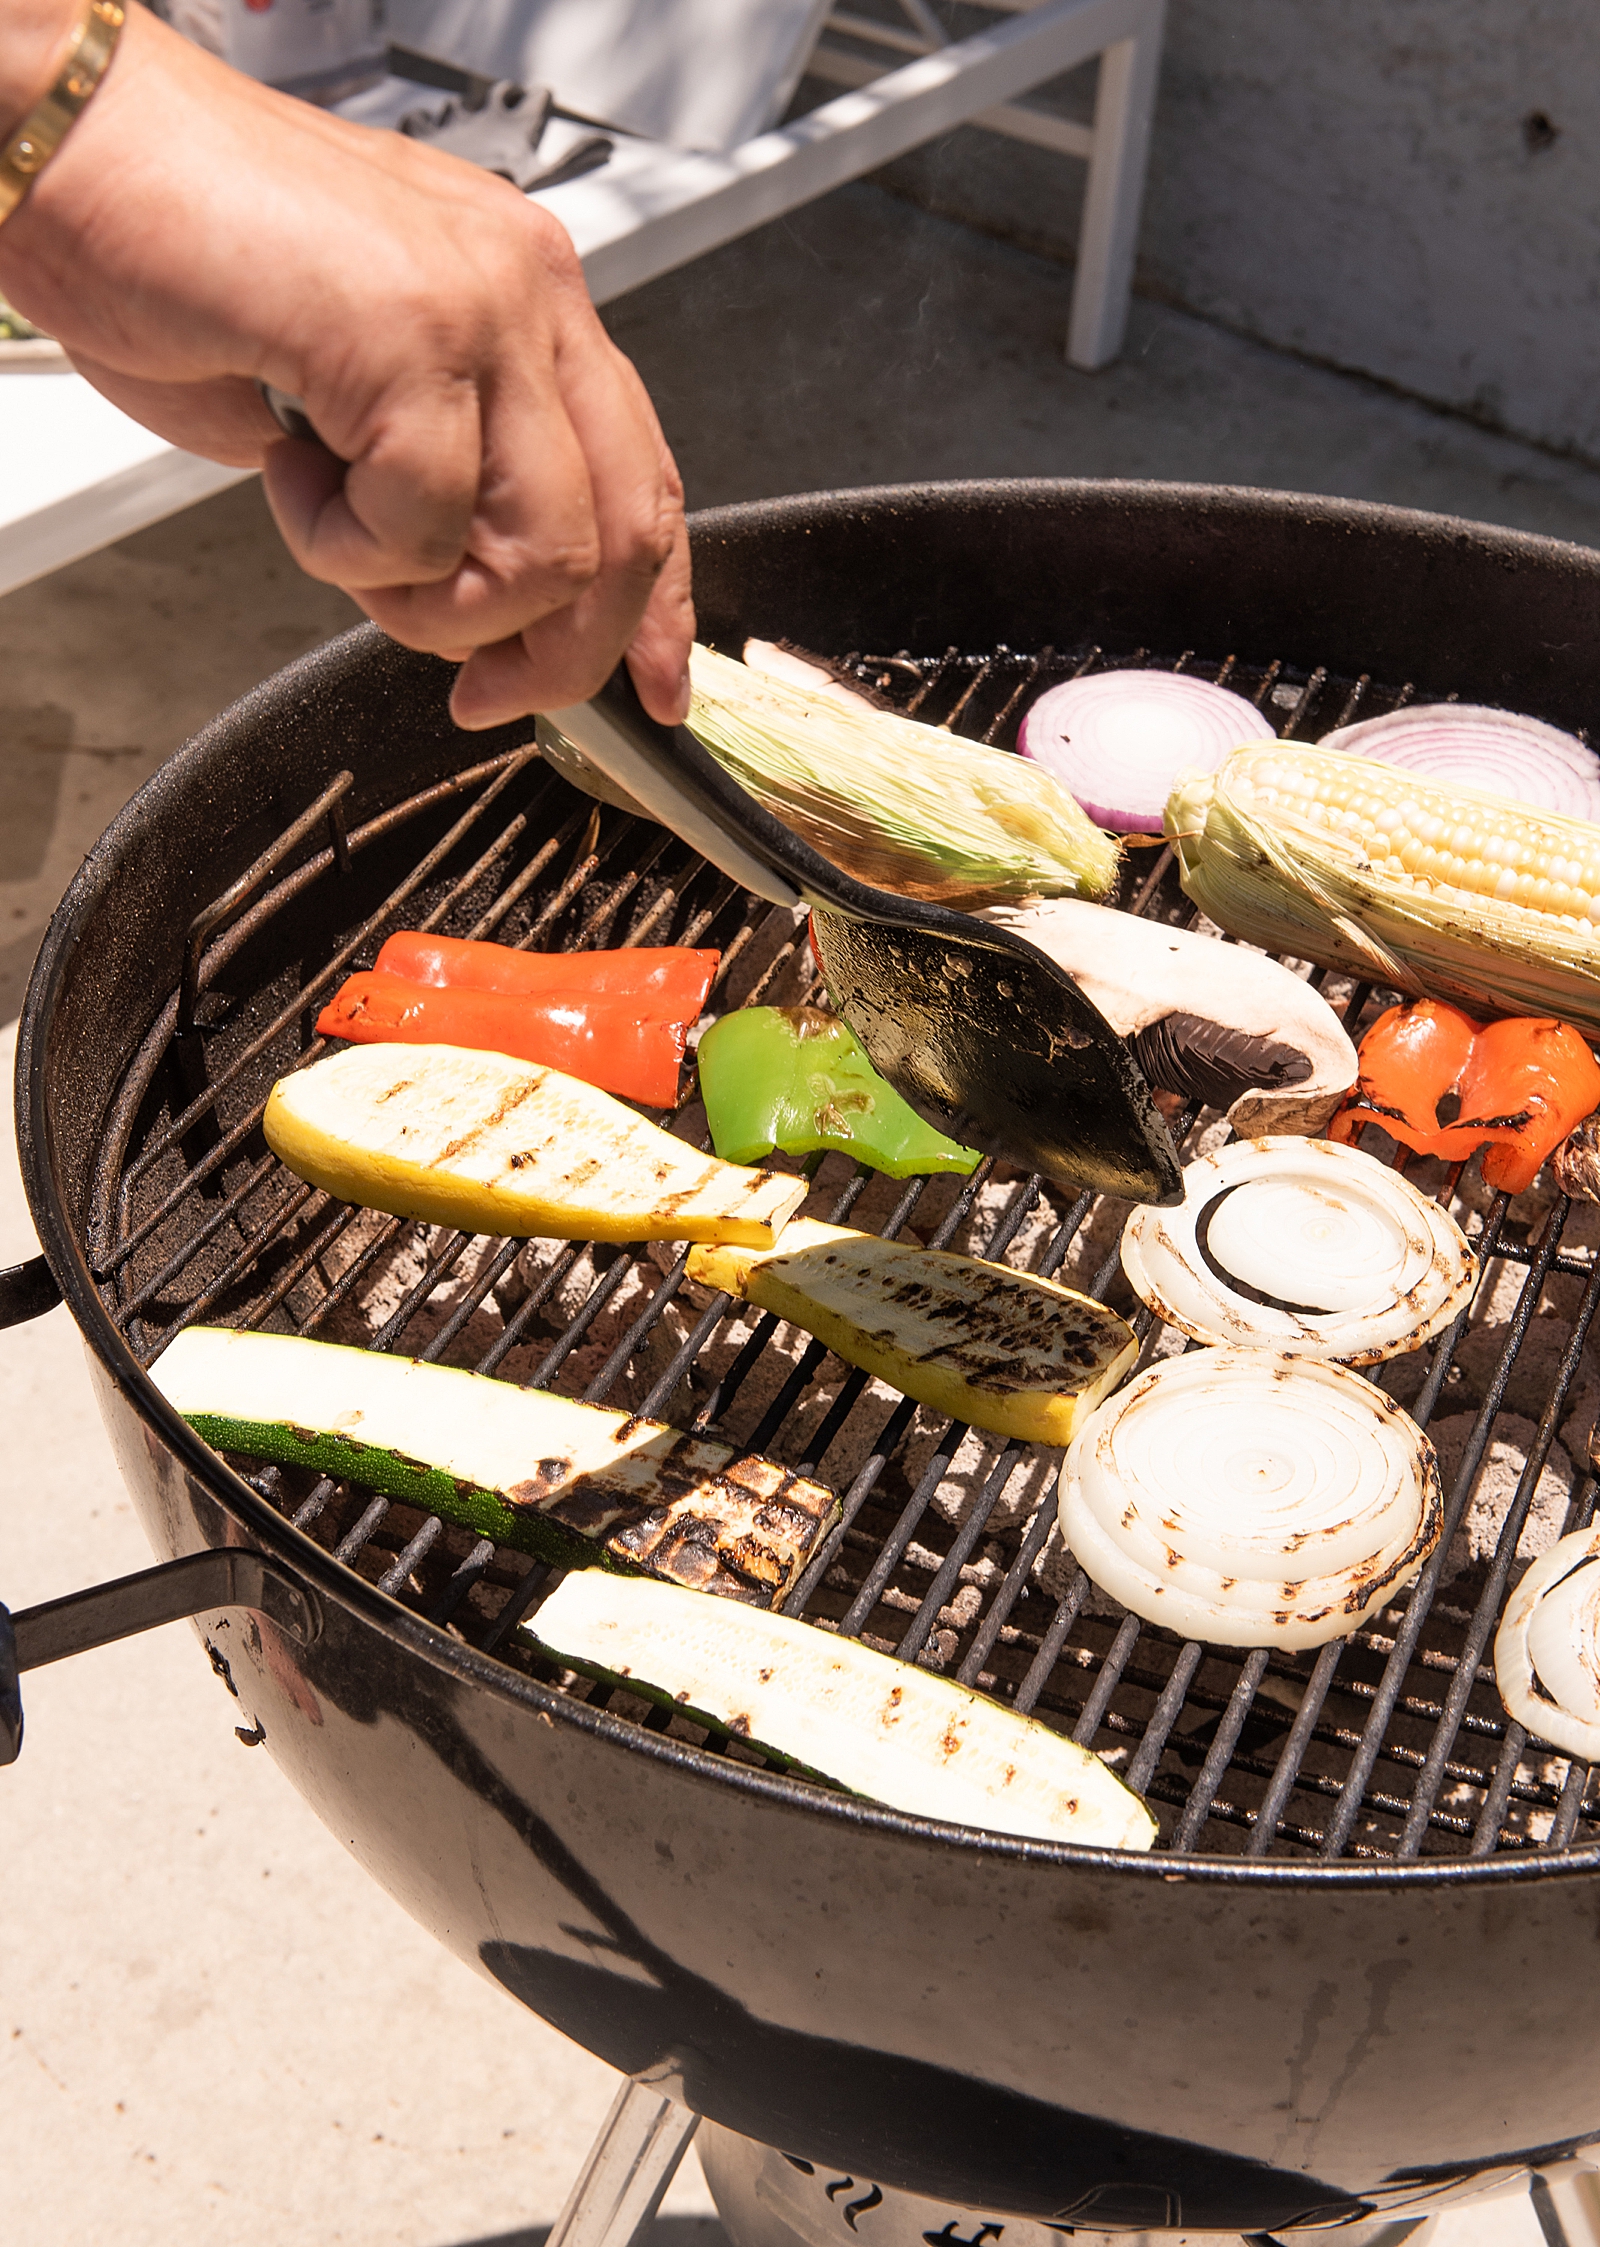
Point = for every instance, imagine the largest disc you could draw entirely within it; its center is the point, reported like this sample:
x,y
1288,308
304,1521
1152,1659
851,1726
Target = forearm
x,y
490,478
34,35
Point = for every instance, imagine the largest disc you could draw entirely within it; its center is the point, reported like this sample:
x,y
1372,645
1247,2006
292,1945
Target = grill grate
x,y
1389,1745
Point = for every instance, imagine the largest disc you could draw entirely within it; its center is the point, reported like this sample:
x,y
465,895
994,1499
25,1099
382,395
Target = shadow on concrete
x,y
667,2231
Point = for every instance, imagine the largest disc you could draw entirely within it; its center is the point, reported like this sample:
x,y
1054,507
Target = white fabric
x,y
695,73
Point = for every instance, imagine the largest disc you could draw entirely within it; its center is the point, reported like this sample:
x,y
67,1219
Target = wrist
x,y
34,40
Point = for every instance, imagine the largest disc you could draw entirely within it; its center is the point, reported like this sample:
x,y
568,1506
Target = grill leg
x,y
627,2169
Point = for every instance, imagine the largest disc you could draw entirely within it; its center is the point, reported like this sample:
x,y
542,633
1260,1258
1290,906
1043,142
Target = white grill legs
x,y
628,2168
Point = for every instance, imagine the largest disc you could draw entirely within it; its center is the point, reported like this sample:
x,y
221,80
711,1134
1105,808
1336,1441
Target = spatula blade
x,y
1002,1051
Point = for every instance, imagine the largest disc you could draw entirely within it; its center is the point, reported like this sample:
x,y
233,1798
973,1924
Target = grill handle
x,y
27,1291
231,1576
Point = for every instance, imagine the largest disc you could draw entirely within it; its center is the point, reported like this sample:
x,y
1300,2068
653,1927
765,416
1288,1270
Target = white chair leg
x,y
1109,234
627,2169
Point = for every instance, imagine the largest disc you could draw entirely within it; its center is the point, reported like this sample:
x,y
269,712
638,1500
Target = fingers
x,y
547,668
402,510
658,654
640,599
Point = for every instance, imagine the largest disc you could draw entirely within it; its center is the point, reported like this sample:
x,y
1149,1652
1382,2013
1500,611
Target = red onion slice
x,y
1468,746
1118,739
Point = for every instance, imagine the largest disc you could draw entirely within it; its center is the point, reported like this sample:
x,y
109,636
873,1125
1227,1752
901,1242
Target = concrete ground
x,y
207,2014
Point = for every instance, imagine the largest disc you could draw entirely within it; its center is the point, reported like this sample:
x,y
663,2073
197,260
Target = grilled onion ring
x,y
1547,1649
1296,1244
1245,1498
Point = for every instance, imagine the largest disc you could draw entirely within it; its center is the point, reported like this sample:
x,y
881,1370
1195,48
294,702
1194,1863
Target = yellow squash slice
x,y
501,1146
1002,1350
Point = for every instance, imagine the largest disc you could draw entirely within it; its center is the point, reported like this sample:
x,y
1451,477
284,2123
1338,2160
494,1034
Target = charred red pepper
x,y
619,1020
1443,1084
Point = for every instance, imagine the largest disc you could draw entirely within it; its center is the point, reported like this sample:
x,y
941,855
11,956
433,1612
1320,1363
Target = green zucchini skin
x,y
576,1484
660,1698
430,1489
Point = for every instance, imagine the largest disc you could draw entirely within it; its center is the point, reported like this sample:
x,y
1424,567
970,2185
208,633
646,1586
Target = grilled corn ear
x,y
501,1146
906,806
1002,1350
1449,892
573,1483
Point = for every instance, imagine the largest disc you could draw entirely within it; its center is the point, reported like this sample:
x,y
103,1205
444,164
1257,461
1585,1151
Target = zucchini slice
x,y
881,1728
1003,1350
569,1482
495,1145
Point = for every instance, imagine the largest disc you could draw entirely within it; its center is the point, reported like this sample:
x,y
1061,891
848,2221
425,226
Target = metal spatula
x,y
979,1030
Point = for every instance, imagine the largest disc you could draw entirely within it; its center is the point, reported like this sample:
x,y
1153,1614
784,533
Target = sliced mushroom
x,y
797,667
1212,1021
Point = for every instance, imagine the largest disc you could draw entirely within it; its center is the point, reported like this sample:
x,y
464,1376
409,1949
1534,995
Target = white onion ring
x,y
1118,739
1245,1498
1373,1267
1549,1639
1466,745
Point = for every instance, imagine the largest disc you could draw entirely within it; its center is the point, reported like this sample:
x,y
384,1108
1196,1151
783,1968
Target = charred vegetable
x,y
619,1020
1442,891
570,1482
1547,1649
882,1728
796,1079
1247,1499
1444,1085
1000,1349
502,1146
1212,1021
900,805
1293,1244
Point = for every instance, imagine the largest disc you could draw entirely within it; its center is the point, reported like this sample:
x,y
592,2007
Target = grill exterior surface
x,y
1385,1820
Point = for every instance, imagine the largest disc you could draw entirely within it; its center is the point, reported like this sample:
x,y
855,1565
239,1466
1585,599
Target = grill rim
x,y
351,652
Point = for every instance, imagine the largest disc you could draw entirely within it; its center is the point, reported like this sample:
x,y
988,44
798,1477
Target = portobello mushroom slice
x,y
1212,1021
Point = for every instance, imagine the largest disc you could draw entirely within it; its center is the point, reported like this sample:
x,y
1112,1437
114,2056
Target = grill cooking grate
x,y
1391,1744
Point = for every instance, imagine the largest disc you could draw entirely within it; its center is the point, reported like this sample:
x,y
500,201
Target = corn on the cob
x,y
904,806
1449,892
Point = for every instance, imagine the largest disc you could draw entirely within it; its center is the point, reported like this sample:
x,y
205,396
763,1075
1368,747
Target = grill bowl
x,y
1065,2034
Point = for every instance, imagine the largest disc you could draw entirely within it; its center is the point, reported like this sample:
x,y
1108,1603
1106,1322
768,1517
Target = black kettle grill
x,y
1357,1972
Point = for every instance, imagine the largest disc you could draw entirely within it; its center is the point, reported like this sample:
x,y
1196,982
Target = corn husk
x,y
1295,887
903,806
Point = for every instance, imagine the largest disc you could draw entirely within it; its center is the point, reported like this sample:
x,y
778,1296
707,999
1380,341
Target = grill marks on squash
x,y
998,1341
1003,1350
501,1146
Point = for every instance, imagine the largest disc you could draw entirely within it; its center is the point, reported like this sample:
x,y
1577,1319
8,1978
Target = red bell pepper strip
x,y
1445,1085
665,981
619,1020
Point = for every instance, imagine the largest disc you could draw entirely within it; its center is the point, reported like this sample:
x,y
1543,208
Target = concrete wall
x,y
1408,188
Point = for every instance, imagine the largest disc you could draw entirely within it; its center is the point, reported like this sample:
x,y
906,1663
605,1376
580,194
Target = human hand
x,y
492,484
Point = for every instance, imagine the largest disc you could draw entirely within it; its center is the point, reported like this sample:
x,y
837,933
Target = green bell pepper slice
x,y
795,1079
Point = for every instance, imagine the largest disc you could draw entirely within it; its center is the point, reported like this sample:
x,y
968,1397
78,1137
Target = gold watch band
x,y
46,126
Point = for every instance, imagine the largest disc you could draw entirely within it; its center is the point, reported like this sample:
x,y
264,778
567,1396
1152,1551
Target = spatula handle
x,y
680,783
